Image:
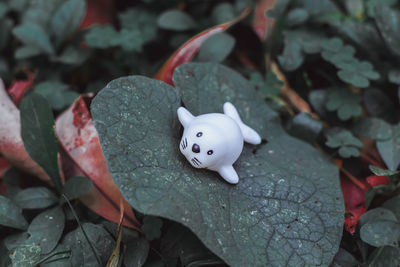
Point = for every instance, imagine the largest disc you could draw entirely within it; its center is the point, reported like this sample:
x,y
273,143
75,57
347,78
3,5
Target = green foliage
x,y
136,252
341,57
268,86
138,28
160,191
56,93
37,131
389,149
344,140
216,48
10,214
152,227
76,187
35,198
67,19
34,38
175,20
81,253
344,102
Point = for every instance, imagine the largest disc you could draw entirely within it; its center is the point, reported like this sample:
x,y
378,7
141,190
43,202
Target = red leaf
x,y
261,24
11,146
98,12
355,203
4,166
187,51
374,180
78,136
18,88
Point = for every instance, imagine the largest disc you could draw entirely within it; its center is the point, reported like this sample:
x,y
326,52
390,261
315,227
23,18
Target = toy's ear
x,y
185,117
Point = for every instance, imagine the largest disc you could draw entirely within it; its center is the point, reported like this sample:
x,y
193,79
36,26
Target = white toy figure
x,y
214,141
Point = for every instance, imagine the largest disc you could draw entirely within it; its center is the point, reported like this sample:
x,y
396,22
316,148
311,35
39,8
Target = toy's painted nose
x,y
196,148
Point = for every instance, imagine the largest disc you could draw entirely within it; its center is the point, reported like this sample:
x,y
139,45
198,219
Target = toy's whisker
x,y
197,160
185,142
194,162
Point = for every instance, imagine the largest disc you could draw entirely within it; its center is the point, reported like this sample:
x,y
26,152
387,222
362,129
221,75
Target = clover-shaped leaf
x,y
345,102
287,208
351,70
268,87
344,140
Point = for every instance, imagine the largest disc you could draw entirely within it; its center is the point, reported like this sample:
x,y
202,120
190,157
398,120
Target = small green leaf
x,y
46,229
35,198
11,214
384,257
56,93
345,102
378,104
372,4
381,172
373,128
216,48
270,87
34,35
152,227
222,13
37,131
27,51
292,56
297,16
344,140
393,205
76,187
381,233
377,214
80,249
101,36
138,22
388,21
394,76
175,20
344,259
73,55
67,19
25,256
390,149
136,252
353,78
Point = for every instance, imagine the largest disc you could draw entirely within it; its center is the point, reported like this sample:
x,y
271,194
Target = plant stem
x,y
83,230
353,179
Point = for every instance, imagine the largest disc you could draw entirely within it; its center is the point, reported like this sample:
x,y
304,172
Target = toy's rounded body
x,y
214,141
220,133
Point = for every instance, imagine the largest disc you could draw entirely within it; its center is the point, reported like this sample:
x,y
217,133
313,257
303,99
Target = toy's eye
x,y
199,134
209,152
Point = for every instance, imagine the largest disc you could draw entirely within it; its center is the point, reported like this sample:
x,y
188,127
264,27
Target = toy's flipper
x,y
229,174
184,116
249,135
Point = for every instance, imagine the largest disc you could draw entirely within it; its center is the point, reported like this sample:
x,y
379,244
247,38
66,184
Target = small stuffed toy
x,y
214,141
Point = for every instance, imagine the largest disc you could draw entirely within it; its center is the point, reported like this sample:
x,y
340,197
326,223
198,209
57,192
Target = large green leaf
x,y
287,208
37,131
